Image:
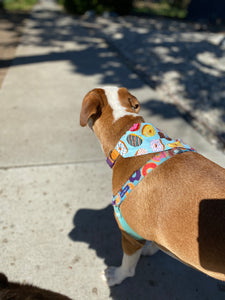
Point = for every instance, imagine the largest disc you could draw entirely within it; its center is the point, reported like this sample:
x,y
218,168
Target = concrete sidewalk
x,y
56,222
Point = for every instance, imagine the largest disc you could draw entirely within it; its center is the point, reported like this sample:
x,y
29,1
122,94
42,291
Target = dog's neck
x,y
109,132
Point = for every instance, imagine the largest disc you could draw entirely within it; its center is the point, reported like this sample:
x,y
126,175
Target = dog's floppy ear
x,y
128,100
91,107
134,103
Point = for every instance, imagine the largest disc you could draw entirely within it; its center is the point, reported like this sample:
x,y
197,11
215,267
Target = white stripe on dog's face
x,y
119,111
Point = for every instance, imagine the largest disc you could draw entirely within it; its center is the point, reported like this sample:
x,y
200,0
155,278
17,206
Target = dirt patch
x,y
11,29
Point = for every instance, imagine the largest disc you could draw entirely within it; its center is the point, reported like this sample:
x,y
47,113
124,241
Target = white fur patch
x,y
115,275
113,99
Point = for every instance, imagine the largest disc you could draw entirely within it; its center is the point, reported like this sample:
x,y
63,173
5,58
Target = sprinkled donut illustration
x,y
159,156
157,145
121,148
148,130
141,151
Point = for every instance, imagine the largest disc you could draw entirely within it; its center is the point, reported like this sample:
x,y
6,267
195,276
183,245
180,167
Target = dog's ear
x,y
134,103
91,107
128,100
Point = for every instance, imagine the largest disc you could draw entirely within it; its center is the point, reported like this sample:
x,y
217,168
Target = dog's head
x,y
111,102
108,111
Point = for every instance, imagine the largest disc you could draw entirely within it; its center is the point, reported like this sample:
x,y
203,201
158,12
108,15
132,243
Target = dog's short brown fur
x,y
180,205
18,291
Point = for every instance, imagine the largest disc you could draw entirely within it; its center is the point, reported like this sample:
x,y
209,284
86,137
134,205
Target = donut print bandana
x,y
145,138
141,139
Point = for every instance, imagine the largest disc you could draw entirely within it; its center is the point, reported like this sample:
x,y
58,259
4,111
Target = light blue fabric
x,y
145,138
124,224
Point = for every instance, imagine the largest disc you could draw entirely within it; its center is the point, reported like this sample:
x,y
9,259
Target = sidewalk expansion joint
x,y
72,163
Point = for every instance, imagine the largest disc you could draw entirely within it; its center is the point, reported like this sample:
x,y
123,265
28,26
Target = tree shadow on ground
x,y
161,46
162,109
173,56
167,51
184,63
89,54
11,25
157,277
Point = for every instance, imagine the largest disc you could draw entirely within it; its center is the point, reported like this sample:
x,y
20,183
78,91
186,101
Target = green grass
x,y
162,9
19,4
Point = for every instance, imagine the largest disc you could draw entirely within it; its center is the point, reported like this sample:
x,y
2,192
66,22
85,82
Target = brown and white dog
x,y
180,206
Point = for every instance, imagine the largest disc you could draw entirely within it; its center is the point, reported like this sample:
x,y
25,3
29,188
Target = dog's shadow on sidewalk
x,y
157,277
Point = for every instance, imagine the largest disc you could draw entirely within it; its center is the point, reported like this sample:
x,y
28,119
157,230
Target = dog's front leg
x,y
115,275
131,253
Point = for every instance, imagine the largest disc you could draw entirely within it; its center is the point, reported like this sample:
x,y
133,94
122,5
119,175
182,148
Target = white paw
x,y
115,275
150,248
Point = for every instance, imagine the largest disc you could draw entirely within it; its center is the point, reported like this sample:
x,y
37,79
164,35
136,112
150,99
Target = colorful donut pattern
x,y
121,148
176,144
148,130
136,176
148,167
124,192
145,138
159,156
141,151
135,127
134,140
157,145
